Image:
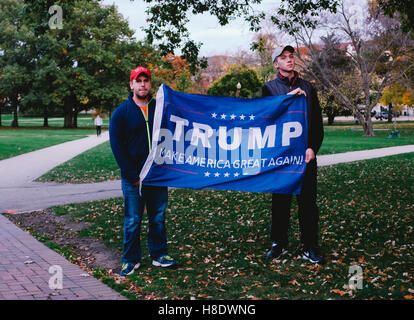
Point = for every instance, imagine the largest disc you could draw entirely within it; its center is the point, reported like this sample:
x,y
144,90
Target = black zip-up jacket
x,y
130,136
281,86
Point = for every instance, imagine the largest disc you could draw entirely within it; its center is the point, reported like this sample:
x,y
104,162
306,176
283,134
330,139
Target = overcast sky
x,y
203,28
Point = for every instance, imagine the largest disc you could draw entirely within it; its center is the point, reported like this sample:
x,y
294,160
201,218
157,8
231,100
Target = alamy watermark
x,y
56,20
56,280
356,279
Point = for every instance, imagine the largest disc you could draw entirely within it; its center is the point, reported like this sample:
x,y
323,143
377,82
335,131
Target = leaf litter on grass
x,y
220,238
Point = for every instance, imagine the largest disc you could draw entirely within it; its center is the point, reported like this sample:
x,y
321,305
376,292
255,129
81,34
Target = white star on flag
x,y
232,116
251,117
214,115
207,174
223,116
242,117
217,174
226,174
236,174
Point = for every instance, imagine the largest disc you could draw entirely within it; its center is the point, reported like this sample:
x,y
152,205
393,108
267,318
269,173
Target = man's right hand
x,y
298,92
136,184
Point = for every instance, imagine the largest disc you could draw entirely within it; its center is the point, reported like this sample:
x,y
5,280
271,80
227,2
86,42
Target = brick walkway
x,y
24,271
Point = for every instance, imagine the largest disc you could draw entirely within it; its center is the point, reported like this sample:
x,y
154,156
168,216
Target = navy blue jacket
x,y
129,138
281,86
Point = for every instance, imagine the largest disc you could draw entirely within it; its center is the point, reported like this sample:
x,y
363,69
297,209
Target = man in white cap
x,y
288,82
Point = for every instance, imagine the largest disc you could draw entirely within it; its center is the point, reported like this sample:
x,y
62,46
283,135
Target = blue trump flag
x,y
206,142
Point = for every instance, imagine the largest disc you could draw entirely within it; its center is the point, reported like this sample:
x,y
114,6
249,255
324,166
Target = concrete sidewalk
x,y
23,169
36,195
331,159
18,192
30,196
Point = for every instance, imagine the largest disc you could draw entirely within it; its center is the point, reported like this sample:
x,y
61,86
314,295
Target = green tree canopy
x,y
86,64
168,19
227,85
15,56
82,65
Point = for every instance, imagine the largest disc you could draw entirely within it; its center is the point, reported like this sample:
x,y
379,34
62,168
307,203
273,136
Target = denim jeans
x,y
155,200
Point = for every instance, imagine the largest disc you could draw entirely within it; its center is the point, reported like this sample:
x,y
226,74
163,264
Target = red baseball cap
x,y
137,71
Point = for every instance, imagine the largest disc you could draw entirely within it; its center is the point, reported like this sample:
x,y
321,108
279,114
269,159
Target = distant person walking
x,y
98,125
130,136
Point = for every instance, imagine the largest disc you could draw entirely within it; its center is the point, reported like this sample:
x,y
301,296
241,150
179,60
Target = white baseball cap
x,y
279,50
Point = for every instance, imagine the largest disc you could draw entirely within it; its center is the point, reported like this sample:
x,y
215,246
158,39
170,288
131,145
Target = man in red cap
x,y
288,82
130,131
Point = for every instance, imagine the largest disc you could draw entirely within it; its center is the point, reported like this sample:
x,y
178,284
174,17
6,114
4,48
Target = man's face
x,y
285,62
141,86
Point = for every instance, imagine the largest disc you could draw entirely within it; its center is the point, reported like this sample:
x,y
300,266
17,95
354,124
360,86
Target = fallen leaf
x,y
295,283
340,292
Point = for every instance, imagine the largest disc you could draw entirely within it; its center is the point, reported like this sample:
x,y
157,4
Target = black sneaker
x,y
313,255
276,252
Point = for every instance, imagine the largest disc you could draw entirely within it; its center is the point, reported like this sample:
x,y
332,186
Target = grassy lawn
x,y
18,141
98,164
219,239
84,121
349,138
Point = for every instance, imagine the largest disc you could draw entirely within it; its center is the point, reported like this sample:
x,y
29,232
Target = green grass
x,y
95,165
84,121
349,138
18,141
98,164
219,239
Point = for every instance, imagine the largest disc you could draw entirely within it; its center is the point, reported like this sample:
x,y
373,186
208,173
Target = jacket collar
x,y
286,80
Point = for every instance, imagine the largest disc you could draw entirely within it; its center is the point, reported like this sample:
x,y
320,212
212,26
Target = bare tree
x,y
264,43
380,54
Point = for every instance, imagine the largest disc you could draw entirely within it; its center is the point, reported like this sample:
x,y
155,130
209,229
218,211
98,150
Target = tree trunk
x,y
68,112
368,127
15,122
67,122
45,117
75,118
390,112
0,113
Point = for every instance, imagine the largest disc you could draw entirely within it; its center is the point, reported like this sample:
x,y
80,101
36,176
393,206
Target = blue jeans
x,y
155,199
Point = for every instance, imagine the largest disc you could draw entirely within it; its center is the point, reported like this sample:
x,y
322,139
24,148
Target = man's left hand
x,y
309,155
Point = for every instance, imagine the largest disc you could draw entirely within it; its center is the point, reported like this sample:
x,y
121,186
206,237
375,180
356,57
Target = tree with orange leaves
x,y
175,72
